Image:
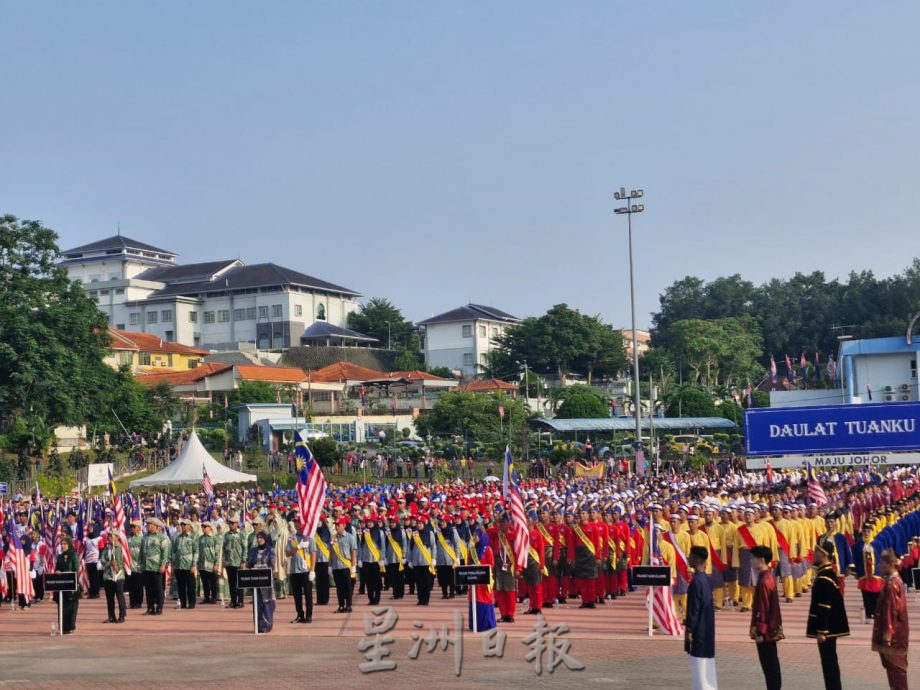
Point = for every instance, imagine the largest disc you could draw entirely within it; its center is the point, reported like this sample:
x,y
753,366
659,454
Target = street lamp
x,y
389,340
629,209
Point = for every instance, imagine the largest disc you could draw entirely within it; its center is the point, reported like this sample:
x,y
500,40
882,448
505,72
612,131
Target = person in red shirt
x,y
565,535
585,553
766,619
532,577
890,629
548,530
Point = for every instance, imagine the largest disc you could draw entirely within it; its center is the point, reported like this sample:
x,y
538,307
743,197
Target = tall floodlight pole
x,y
629,209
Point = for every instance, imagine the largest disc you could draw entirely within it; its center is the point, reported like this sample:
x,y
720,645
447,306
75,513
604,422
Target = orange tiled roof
x,y
178,378
271,374
415,375
129,340
488,385
345,371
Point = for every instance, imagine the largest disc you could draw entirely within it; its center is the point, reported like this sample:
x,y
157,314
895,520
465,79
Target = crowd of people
x,y
732,542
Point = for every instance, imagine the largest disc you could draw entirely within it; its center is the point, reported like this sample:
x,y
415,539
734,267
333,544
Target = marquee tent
x,y
188,466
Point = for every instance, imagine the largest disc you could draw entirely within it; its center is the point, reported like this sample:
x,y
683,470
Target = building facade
x,y
461,339
216,305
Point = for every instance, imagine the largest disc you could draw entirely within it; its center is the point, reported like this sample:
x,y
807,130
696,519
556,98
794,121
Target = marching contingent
x,y
732,542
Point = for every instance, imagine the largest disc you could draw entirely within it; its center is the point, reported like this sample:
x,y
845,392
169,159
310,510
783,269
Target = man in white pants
x,y
700,625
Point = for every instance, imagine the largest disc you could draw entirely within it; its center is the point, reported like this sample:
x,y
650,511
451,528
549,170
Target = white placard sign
x,y
824,462
97,474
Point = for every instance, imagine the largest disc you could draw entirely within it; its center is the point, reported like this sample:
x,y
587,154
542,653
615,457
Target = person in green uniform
x,y
234,555
67,562
112,560
134,582
155,550
208,563
185,564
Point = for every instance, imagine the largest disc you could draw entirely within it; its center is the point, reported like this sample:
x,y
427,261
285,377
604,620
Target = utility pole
x,y
629,210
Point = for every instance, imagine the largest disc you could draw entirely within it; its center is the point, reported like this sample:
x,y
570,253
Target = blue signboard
x,y
2,488
832,429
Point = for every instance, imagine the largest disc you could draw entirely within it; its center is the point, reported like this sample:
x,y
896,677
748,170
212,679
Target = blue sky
x,y
437,153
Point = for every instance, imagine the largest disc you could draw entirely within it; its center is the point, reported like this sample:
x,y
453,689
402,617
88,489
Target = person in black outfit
x,y
827,616
700,624
67,562
321,568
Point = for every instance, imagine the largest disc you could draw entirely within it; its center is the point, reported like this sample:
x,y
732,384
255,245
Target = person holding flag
x,y
113,559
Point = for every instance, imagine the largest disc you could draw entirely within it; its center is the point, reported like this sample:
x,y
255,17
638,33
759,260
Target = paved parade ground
x,y
212,647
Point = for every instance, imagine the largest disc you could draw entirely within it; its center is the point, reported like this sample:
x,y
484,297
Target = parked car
x,y
692,444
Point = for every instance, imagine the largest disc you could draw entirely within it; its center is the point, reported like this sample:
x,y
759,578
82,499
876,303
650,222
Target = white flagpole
x,y
651,551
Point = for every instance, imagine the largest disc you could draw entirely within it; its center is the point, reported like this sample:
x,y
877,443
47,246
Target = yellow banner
x,y
595,472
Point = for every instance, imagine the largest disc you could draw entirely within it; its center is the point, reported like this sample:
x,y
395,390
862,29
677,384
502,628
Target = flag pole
x,y
651,590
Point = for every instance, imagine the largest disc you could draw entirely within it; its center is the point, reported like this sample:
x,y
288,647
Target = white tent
x,y
188,466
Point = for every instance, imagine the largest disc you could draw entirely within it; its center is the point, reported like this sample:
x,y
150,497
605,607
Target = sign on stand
x,y
651,576
60,582
254,578
472,575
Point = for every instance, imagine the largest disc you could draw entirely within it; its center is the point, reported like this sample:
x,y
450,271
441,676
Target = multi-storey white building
x,y
463,338
217,305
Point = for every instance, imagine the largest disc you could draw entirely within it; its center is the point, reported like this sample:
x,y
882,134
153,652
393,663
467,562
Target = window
x,y
239,314
134,318
250,313
193,317
166,315
151,317
263,313
223,315
467,359
468,332
114,276
277,311
123,359
95,278
298,310
143,359
193,364
321,313
120,326
169,339
103,292
93,293
484,359
209,317
119,291
496,332
482,332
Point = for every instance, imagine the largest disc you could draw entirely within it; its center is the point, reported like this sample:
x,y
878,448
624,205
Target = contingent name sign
x,y
833,429
870,460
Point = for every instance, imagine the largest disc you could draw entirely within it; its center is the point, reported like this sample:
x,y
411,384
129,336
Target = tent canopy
x,y
188,468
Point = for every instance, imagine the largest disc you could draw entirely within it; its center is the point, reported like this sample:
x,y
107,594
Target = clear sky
x,y
437,153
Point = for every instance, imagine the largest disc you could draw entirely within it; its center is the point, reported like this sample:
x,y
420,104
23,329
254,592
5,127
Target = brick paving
x,y
211,647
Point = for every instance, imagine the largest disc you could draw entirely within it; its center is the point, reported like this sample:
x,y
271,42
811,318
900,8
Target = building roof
x,y
147,342
270,374
488,386
254,276
178,378
344,371
187,273
471,312
629,424
115,242
878,346
320,330
415,375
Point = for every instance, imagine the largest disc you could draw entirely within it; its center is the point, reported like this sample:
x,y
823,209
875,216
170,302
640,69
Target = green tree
x,y
690,401
603,352
443,372
407,361
380,319
326,451
581,402
55,464
52,336
253,392
473,417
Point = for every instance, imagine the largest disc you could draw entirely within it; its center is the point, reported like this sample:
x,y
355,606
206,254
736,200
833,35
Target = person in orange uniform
x,y
585,553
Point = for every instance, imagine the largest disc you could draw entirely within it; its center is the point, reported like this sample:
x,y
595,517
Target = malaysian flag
x,y
512,495
20,562
815,490
659,599
119,526
206,483
311,487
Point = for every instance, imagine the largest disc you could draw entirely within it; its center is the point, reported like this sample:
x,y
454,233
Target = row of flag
x,y
831,368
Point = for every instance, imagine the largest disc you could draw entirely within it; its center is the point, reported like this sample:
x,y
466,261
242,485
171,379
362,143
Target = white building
x,y
462,338
217,305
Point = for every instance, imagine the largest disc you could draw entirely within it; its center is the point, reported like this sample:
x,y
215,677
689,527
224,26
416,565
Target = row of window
x,y
467,331
103,293
223,315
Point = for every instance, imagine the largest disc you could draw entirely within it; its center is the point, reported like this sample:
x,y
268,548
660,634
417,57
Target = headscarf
x,y
482,541
265,535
